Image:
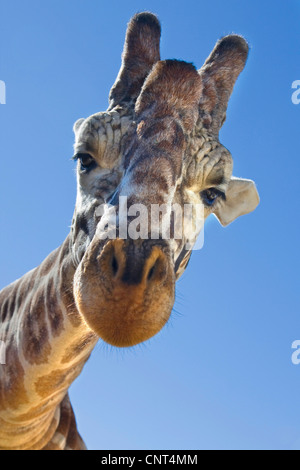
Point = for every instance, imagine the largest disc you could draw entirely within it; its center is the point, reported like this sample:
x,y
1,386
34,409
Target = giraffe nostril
x,y
151,272
157,270
114,265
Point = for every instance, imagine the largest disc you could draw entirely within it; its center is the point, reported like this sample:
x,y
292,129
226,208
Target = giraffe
x,y
157,143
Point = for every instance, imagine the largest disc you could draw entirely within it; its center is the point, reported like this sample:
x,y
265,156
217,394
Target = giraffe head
x,y
156,147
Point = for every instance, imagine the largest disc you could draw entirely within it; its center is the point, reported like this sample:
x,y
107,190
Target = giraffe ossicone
x,y
157,145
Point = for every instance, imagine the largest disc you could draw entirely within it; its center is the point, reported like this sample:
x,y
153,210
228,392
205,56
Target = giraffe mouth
x,y
126,292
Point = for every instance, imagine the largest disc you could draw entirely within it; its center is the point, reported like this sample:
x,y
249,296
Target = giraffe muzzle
x,y
126,291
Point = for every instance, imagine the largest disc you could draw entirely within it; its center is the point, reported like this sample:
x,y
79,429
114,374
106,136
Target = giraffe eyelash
x,y
88,163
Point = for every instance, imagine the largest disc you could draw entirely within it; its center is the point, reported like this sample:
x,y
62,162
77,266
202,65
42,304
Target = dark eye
x,y
87,163
209,196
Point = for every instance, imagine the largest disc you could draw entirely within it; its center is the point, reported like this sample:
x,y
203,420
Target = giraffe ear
x,y
219,74
77,125
241,198
141,51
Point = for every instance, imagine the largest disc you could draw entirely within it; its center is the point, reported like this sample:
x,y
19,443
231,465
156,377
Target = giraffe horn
x,y
219,74
141,51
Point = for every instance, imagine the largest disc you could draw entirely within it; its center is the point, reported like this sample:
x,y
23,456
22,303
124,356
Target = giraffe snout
x,y
126,293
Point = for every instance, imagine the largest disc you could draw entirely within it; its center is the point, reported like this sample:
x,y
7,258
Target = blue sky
x,y
220,375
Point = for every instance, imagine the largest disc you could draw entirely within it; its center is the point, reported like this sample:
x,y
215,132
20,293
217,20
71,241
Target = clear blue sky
x,y
220,375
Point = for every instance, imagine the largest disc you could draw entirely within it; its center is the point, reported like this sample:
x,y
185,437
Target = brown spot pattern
x,y
36,338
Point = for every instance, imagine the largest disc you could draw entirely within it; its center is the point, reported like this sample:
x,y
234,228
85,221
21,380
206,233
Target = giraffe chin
x,y
124,314
122,328
122,321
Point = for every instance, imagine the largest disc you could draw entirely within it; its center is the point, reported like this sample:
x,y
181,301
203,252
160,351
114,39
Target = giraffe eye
x,y
209,196
87,163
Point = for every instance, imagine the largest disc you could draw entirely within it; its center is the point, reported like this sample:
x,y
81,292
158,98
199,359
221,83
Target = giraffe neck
x,y
47,344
